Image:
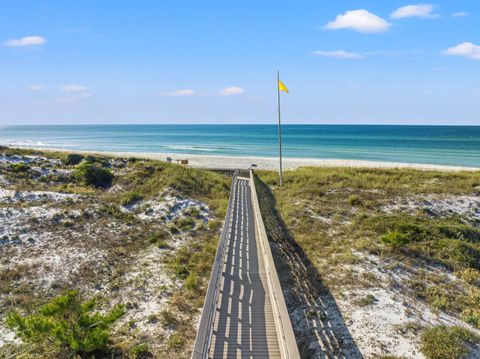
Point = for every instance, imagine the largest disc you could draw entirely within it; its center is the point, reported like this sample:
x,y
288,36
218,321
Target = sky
x,y
186,61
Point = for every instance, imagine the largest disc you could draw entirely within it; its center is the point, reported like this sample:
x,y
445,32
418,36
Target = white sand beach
x,y
266,163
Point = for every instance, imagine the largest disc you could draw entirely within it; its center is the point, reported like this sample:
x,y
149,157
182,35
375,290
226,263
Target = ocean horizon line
x,y
240,124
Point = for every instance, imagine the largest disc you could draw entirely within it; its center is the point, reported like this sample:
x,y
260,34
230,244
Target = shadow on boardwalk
x,y
319,326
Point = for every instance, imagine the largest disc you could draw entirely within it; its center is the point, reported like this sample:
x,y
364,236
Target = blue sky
x,y
175,61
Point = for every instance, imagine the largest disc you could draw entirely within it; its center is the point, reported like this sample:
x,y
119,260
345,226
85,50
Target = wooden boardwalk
x,y
243,326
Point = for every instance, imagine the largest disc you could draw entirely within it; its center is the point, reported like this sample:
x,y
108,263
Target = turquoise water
x,y
443,145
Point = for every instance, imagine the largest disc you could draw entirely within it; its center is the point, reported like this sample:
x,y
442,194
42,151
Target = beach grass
x,y
340,216
442,342
351,199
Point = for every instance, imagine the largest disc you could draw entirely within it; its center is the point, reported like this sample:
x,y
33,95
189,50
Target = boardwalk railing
x,y
286,337
205,328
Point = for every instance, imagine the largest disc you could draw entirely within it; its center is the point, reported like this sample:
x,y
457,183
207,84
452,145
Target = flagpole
x,y
279,129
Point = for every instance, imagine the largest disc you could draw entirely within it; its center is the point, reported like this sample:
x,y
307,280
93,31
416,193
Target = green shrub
x,y
19,167
73,159
194,212
181,270
471,316
103,162
157,236
395,239
191,282
152,318
167,318
176,341
68,323
214,225
438,301
180,263
131,198
414,228
469,275
186,223
453,252
369,299
92,174
442,342
354,200
153,239
140,350
445,240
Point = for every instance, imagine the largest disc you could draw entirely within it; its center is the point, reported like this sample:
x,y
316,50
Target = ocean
x,y
440,145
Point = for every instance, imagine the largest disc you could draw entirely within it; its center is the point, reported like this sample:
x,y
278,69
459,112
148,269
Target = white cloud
x,y
467,49
182,92
74,93
35,88
338,54
72,88
460,14
229,91
26,41
185,92
419,10
359,20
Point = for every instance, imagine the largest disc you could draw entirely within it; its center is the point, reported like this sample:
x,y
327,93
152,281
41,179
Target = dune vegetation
x,y
398,249
93,235
380,262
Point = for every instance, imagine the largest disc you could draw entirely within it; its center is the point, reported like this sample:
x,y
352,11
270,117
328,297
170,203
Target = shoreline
x,y
263,163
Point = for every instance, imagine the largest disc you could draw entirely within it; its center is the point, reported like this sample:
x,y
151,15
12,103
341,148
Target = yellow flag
x,y
282,87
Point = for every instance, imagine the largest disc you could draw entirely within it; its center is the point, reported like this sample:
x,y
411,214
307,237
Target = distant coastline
x,y
262,163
